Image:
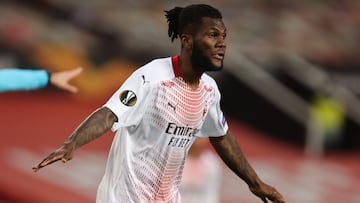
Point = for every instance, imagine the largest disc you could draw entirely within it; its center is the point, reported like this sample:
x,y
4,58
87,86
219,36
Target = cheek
x,y
204,48
209,45
204,43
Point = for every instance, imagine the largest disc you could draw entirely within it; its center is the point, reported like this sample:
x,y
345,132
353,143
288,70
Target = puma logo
x,y
172,106
144,81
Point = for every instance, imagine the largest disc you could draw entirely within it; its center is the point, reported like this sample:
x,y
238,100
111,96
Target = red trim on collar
x,y
175,64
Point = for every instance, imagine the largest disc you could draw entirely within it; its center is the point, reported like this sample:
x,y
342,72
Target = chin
x,y
206,63
216,66
219,68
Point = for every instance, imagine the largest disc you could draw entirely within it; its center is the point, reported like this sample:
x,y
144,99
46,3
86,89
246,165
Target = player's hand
x,y
62,79
266,192
64,153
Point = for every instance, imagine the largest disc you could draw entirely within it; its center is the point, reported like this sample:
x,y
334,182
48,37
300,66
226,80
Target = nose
x,y
221,43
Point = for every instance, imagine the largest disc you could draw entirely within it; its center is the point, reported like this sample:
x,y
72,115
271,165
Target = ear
x,y
186,41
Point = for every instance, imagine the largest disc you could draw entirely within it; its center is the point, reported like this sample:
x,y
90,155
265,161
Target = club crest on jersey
x,y
128,98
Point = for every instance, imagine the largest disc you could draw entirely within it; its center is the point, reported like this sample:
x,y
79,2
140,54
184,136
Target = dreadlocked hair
x,y
179,18
172,17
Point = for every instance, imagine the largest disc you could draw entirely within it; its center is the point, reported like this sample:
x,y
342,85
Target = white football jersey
x,y
159,116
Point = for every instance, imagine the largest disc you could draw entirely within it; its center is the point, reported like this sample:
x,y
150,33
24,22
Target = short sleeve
x,y
215,124
128,103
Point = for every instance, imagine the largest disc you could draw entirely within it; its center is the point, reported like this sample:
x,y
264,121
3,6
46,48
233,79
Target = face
x,y
209,45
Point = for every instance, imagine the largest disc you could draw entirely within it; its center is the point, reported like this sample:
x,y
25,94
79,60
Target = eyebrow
x,y
215,28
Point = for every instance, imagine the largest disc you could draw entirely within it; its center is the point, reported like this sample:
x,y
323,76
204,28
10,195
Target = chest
x,y
176,102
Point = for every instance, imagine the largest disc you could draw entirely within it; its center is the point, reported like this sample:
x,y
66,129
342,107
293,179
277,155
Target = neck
x,y
188,72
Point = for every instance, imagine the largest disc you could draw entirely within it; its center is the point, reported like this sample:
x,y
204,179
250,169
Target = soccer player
x,y
158,113
15,79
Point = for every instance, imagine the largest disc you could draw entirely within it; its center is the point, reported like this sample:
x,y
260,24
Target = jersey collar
x,y
175,64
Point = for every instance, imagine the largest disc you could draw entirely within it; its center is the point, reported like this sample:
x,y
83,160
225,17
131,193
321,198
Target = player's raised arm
x,y
91,128
229,150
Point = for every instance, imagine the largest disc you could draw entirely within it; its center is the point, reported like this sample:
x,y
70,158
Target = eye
x,y
224,36
213,34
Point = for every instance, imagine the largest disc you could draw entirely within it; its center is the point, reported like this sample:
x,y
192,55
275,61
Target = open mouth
x,y
219,56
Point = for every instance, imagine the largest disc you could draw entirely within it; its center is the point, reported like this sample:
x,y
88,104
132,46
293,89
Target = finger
x,y
70,75
38,167
64,160
75,72
278,198
49,160
70,88
35,168
282,200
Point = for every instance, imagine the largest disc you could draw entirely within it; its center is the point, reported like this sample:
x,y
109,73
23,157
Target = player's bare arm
x,y
230,152
91,128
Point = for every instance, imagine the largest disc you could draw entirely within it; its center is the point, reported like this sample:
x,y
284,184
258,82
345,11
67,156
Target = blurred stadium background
x,y
290,88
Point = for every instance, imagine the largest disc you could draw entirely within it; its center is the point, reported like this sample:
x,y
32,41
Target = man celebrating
x,y
158,113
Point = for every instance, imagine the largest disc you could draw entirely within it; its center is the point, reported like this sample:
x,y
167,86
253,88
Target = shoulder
x,y
157,69
208,80
156,65
211,83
